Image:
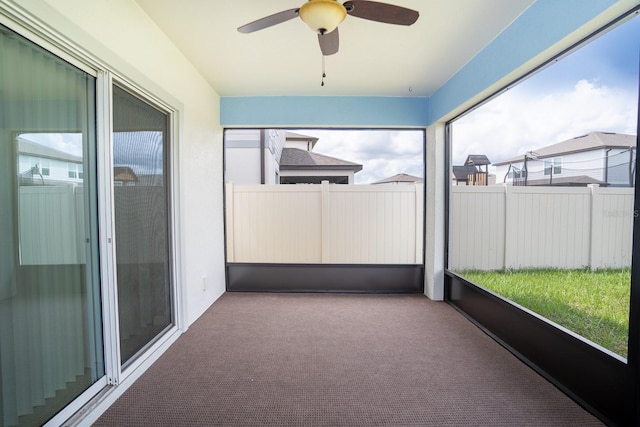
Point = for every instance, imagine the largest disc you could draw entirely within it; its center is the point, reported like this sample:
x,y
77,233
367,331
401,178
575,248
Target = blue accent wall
x,y
324,111
539,27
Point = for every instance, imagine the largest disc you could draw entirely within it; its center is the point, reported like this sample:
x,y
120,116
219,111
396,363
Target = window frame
x,y
72,170
45,167
553,166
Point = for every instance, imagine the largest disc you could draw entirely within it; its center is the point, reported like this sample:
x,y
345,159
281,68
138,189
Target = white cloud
x,y
520,120
66,142
383,153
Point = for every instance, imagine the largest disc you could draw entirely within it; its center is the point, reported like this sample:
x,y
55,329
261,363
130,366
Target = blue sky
x,y
383,153
66,142
610,56
141,151
594,88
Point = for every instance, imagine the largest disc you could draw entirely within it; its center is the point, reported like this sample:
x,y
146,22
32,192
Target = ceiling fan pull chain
x,y
323,73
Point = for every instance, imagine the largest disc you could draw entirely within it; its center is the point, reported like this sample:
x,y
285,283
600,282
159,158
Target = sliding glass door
x,y
54,309
141,218
51,347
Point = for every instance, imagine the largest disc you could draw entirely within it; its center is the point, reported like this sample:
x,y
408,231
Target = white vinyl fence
x,y
332,224
51,224
498,227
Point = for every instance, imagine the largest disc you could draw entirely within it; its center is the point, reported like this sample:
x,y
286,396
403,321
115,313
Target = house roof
x,y
401,177
297,159
477,160
31,148
124,173
588,142
460,173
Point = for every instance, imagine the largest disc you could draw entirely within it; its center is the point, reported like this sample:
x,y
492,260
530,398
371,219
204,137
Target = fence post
x,y
508,225
418,231
229,213
325,222
595,227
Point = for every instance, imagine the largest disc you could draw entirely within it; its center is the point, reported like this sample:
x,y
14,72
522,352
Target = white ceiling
x,y
375,59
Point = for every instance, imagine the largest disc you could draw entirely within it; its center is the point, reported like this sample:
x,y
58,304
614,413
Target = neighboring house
x,y
279,157
303,142
39,164
299,166
252,156
603,158
401,178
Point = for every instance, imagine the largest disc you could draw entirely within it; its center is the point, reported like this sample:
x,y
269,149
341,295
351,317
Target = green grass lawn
x,y
592,304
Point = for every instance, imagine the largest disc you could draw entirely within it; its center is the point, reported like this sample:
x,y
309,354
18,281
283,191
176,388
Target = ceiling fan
x,y
323,17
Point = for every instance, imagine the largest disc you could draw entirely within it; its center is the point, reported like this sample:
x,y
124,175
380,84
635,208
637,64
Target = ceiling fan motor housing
x,y
322,16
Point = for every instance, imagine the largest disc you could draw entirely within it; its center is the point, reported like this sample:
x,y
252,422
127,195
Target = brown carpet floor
x,y
335,359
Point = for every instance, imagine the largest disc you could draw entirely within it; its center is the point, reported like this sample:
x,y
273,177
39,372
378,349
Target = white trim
x,y
91,412
77,404
142,358
177,236
143,95
21,22
434,215
106,218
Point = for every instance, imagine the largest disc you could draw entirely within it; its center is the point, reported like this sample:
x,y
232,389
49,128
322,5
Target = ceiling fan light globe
x,y
322,16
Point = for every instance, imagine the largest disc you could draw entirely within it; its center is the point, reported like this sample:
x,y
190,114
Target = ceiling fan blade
x,y
329,42
269,21
381,12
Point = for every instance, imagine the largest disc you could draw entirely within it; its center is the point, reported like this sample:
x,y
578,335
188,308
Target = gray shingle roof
x,y
295,159
34,149
588,142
